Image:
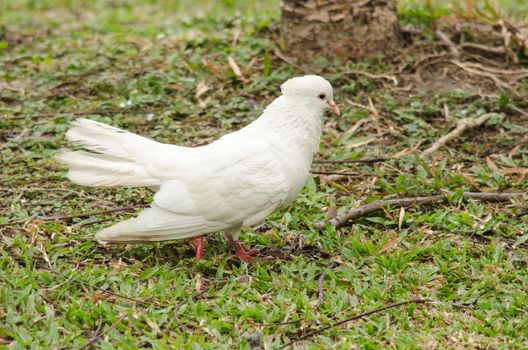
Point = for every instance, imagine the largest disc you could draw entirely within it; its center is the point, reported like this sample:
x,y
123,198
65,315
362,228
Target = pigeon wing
x,y
234,183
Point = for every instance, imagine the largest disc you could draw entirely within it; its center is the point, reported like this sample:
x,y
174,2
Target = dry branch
x,y
81,216
89,112
236,68
522,212
320,284
290,62
518,110
472,70
355,317
346,161
462,126
321,172
485,48
138,301
99,334
518,74
86,215
343,219
83,224
447,41
389,77
492,197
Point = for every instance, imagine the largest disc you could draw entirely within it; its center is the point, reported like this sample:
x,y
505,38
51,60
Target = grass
x,y
111,60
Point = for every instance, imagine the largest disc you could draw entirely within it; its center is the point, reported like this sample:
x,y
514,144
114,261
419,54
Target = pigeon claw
x,y
198,245
247,256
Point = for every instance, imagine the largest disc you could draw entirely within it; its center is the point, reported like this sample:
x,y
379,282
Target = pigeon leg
x,y
198,245
241,252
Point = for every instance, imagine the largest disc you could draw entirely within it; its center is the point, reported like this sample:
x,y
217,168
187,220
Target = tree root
x,y
461,127
345,218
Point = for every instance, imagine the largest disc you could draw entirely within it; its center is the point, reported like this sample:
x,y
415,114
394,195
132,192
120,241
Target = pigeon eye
x,y
322,96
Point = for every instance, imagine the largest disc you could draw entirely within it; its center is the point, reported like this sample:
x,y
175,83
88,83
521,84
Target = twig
x,y
520,73
425,61
374,116
356,126
100,335
357,105
85,215
522,212
320,172
192,297
25,190
98,288
290,62
518,110
447,41
492,197
475,46
320,284
511,33
354,213
279,323
101,323
88,112
462,126
372,75
358,161
355,317
236,68
16,222
363,210
472,70
82,224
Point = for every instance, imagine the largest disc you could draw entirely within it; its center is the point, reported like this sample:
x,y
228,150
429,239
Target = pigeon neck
x,y
296,123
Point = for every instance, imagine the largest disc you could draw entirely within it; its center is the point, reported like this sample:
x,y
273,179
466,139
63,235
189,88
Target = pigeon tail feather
x,y
115,162
127,232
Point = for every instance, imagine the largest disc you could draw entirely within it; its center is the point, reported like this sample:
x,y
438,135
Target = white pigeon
x,y
235,181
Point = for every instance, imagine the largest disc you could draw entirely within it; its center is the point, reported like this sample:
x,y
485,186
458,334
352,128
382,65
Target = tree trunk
x,y
345,29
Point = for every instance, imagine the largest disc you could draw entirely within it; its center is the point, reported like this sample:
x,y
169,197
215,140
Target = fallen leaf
x,y
391,243
331,212
161,65
117,265
470,179
153,325
358,142
175,86
514,151
37,222
214,69
406,151
201,89
236,69
5,341
236,35
329,179
491,164
199,283
510,171
97,297
402,215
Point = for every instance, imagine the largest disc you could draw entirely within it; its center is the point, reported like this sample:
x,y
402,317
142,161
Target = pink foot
x,y
241,252
198,245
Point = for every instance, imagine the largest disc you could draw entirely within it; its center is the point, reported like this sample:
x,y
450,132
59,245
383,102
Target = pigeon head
x,y
313,90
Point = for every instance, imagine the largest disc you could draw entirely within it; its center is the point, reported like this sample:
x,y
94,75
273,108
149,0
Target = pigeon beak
x,y
333,107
